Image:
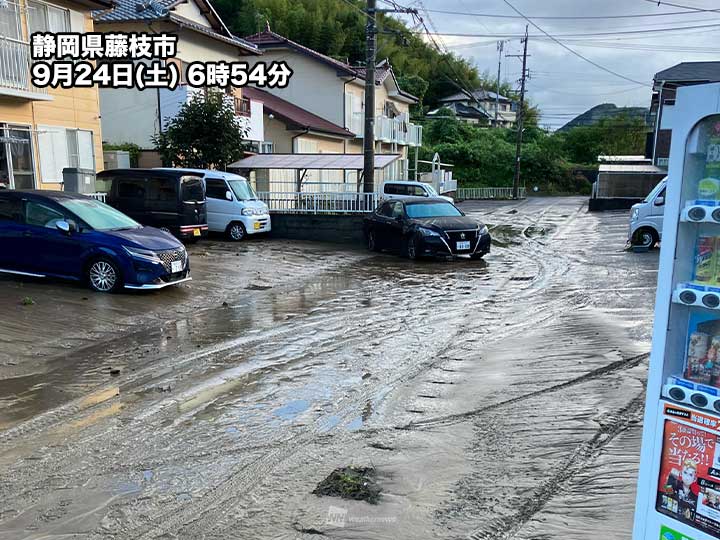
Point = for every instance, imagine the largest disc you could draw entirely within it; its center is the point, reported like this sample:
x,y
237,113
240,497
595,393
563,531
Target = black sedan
x,y
425,227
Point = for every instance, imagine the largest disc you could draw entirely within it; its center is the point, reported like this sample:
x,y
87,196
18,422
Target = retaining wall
x,y
341,229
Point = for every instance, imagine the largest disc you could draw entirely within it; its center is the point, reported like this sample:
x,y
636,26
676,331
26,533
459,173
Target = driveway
x,y
495,399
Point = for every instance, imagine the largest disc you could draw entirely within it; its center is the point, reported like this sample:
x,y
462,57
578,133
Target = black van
x,y
172,200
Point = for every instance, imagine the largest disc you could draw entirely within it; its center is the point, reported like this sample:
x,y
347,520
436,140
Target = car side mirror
x,y
659,201
228,195
63,226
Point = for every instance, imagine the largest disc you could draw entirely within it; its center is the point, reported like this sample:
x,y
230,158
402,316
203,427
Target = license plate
x,y
196,232
176,266
463,245
257,225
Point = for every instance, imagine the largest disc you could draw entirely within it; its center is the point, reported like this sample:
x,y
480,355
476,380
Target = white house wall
x,y
191,11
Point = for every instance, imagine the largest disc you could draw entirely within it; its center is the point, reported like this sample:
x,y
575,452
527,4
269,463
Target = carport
x,y
302,163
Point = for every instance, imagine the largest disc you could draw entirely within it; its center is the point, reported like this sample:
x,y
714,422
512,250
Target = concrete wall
x,y
340,229
130,115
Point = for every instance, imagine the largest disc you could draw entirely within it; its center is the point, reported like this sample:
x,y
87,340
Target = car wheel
x,y
372,241
104,276
645,238
236,231
411,248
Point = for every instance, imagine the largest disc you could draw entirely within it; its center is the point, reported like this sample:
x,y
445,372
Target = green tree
x,y
205,134
619,135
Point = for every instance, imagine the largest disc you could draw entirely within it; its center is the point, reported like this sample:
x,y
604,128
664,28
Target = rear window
x,y
162,189
192,189
131,188
396,189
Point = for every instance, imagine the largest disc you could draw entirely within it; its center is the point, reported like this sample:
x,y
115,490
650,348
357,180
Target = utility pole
x,y
369,134
371,33
500,46
520,119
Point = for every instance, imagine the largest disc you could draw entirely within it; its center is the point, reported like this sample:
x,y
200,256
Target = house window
x,y
10,20
266,147
60,148
242,106
46,18
17,169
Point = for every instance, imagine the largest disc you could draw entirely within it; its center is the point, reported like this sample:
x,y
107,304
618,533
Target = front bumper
x,y
257,224
156,286
438,246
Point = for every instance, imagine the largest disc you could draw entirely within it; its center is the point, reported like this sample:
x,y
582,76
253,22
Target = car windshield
x,y
430,210
99,216
243,190
654,192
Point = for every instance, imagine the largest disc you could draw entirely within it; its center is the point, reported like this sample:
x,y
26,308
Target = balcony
x,y
15,71
389,130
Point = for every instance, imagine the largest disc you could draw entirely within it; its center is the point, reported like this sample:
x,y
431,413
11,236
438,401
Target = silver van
x,y
646,218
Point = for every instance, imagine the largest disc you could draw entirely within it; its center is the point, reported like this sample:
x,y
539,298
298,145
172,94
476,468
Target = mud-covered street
x,y
496,399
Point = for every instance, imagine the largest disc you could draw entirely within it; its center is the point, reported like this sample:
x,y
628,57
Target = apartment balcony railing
x,y
391,130
15,70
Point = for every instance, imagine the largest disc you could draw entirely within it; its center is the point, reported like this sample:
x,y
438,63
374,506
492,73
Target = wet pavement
x,y
496,399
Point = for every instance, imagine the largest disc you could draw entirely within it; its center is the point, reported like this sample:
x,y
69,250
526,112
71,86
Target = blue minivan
x,y
71,236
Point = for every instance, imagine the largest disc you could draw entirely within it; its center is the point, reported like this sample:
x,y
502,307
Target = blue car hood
x,y
147,238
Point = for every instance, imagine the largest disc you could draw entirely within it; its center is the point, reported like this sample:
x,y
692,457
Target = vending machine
x,y
678,494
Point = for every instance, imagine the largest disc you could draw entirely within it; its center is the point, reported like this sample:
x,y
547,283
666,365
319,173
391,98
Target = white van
x,y
646,218
232,205
399,189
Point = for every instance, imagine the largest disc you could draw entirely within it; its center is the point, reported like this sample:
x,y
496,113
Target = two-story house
x,y
135,116
479,107
42,131
334,91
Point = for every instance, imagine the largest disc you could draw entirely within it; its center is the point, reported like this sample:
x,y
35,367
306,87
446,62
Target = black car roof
x,y
173,173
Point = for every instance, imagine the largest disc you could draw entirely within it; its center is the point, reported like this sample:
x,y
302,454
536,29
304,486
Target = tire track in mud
x,y
208,512
506,528
620,365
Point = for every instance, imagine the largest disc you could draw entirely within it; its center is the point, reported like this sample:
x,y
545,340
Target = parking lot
x,y
496,399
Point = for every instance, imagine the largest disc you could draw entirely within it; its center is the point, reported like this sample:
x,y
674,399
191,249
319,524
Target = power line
x,y
599,66
691,8
568,17
584,34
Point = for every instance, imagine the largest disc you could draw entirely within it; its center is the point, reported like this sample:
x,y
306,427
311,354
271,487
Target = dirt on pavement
x,y
492,399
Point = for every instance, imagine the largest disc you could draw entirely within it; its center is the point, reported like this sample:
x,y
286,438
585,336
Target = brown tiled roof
x,y
294,116
269,39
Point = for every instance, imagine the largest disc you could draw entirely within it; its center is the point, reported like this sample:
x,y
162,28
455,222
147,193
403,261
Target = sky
x,y
562,84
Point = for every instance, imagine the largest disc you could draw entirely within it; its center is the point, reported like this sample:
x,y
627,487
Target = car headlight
x,y
635,215
142,254
427,232
248,211
482,230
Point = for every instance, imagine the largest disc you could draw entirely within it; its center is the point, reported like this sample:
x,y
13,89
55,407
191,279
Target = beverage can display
x,y
706,260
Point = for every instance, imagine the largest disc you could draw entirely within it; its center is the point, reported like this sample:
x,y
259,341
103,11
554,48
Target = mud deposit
x,y
499,399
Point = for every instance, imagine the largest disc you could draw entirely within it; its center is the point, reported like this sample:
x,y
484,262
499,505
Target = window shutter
x,y
86,150
53,150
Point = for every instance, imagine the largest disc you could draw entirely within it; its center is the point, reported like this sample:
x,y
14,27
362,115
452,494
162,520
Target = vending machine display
x,y
679,482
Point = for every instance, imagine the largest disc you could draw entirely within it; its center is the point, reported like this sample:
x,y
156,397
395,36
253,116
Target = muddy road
x,y
499,399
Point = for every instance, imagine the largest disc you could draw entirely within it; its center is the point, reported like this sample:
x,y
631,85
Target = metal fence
x,y
489,193
319,203
15,66
98,196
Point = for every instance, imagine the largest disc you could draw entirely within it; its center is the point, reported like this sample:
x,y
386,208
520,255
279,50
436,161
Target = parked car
x,y
397,189
172,200
420,227
233,207
71,236
646,218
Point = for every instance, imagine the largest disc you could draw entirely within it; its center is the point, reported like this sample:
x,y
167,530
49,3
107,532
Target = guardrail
x,y
319,203
489,193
